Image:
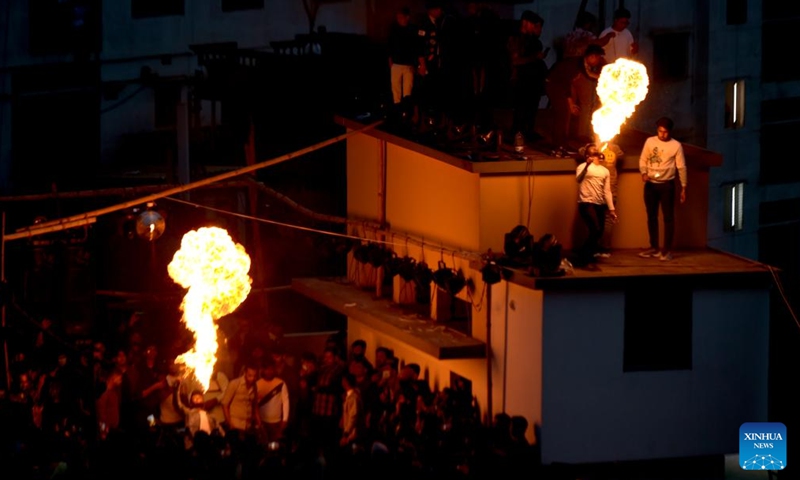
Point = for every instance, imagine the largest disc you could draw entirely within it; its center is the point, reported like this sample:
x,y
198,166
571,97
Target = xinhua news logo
x,y
762,446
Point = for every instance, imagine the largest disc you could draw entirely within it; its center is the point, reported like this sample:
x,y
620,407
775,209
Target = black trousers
x,y
594,216
663,195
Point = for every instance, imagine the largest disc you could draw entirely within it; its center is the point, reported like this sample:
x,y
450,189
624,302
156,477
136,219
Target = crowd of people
x,y
460,67
121,407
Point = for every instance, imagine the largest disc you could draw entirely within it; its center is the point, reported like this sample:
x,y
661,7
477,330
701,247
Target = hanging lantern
x,y
150,224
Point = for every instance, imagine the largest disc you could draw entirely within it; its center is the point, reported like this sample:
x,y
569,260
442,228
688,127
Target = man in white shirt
x,y
661,161
594,200
622,44
273,402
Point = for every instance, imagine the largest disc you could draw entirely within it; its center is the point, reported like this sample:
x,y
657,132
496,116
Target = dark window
x,y
62,27
736,12
777,246
780,110
166,105
779,9
671,56
454,312
773,165
779,211
233,5
776,36
156,8
658,326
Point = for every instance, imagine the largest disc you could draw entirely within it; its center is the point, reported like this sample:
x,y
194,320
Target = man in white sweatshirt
x,y
594,201
660,163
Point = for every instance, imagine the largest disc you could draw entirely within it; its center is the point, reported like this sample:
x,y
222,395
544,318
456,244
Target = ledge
x,y
385,317
698,268
532,160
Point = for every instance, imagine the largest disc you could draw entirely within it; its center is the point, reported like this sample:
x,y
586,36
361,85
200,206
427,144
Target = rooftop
x,y
471,156
700,267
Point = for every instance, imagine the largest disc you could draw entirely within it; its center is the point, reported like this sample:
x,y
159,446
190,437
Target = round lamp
x,y
150,225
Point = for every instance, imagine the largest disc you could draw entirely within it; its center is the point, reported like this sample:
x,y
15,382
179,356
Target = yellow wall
x,y
432,199
444,204
504,205
363,177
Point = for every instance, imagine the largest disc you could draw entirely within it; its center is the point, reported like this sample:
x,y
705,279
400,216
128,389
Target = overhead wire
x,y
778,284
392,242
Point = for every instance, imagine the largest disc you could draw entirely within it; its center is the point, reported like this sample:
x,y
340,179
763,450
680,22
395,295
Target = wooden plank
x,y
385,317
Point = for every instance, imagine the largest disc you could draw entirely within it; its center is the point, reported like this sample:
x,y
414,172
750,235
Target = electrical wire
x,y
463,254
778,284
529,181
123,101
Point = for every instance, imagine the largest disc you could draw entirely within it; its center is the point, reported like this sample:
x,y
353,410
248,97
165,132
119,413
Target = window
x,y
156,8
734,201
779,211
658,326
453,312
234,5
57,27
780,119
736,12
671,56
773,167
780,22
734,104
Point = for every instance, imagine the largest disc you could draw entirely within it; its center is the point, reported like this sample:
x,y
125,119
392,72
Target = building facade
x,y
607,365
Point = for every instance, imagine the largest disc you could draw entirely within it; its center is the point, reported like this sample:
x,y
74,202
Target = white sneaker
x,y
650,252
665,257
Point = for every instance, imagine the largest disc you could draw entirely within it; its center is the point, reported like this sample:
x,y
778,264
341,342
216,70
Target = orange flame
x,y
621,87
214,269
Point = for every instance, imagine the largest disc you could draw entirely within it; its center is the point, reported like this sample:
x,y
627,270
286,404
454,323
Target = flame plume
x,y
214,270
621,87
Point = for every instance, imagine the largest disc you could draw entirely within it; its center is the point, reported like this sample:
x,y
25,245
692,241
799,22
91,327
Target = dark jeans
x,y
663,194
594,216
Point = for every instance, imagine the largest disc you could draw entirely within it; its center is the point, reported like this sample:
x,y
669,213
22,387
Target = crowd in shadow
x,y
121,408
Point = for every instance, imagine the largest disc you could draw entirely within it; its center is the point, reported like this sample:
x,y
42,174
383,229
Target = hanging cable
x,y
778,284
529,181
123,101
423,244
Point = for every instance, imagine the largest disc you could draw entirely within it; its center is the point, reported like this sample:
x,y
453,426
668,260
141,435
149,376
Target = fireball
x,y
621,87
214,270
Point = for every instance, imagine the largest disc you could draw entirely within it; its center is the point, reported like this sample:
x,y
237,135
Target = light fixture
x,y
150,224
734,206
734,103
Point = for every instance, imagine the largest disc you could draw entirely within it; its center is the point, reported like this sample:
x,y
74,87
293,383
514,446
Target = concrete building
x,y
628,363
111,93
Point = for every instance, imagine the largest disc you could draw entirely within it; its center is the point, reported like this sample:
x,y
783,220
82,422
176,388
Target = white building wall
x,y
522,351
592,411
